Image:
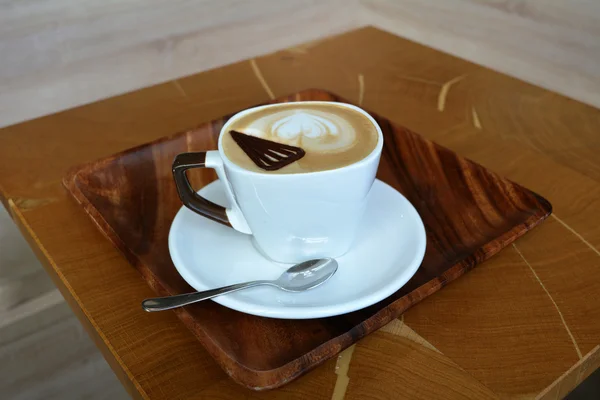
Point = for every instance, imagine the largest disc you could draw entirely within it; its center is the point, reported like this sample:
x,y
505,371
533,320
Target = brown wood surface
x,y
524,324
469,214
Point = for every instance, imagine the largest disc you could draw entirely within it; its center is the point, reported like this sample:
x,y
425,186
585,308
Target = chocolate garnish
x,y
267,154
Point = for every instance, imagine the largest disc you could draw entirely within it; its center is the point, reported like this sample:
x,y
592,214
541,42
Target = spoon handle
x,y
180,300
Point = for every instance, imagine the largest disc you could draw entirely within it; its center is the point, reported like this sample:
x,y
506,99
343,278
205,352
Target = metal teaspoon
x,y
300,277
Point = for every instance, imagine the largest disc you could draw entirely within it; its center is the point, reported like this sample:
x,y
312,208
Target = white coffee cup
x,y
291,217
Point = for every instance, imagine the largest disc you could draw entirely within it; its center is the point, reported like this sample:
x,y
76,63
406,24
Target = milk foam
x,y
313,130
332,136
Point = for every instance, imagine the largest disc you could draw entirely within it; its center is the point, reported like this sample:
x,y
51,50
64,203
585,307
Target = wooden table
x,y
524,324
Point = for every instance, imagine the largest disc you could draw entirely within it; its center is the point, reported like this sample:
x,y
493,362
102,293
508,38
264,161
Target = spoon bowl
x,y
307,275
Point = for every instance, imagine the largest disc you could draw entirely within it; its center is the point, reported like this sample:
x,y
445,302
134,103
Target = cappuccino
x,y
331,135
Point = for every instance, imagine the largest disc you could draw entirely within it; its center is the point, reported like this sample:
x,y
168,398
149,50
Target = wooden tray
x,y
469,212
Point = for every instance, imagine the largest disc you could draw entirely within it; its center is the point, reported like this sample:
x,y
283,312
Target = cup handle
x,y
232,216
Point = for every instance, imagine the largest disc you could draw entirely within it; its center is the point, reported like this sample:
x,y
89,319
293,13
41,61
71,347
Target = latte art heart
x,y
313,130
304,124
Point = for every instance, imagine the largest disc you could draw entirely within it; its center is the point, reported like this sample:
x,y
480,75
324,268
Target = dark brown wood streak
x,y
469,213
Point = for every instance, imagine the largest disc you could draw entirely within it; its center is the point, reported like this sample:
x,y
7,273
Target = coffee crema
x,y
333,136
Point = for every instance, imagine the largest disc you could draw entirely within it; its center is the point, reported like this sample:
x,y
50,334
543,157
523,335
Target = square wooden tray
x,y
469,213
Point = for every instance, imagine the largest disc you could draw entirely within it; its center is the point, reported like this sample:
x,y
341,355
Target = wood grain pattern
x,y
63,53
156,357
485,32
401,358
469,213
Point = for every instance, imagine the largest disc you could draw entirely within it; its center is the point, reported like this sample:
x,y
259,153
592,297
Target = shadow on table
x,y
588,390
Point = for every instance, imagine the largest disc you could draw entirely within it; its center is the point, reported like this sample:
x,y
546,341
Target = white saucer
x,y
385,256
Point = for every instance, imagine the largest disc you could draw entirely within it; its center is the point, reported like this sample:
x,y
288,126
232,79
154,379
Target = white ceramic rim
x,y
303,312
232,166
